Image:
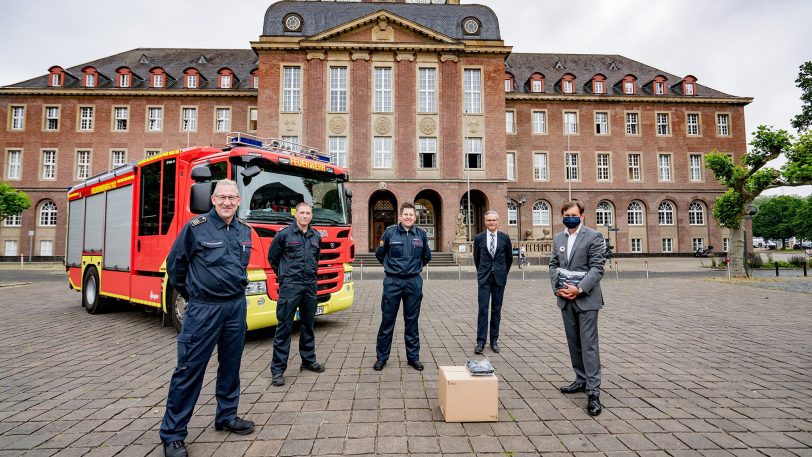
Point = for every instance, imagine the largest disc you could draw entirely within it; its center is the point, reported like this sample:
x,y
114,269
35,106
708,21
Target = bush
x,y
755,261
797,260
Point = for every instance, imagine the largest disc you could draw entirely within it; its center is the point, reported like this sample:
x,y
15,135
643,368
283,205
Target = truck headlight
x,y
256,288
347,277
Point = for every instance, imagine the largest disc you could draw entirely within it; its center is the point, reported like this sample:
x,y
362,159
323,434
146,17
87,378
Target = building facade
x,y
422,102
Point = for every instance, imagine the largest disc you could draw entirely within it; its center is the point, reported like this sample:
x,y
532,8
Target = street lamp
x,y
520,201
609,230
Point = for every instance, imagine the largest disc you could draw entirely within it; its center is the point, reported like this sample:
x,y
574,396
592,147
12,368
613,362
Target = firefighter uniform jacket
x,y
402,252
294,255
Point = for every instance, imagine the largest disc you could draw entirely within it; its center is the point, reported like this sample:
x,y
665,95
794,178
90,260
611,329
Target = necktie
x,y
492,245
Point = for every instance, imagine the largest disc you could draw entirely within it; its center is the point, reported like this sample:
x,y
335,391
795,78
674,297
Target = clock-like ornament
x,y
470,26
293,23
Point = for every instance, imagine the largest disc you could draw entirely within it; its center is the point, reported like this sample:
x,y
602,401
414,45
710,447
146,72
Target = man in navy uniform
x,y
403,251
294,257
206,265
493,256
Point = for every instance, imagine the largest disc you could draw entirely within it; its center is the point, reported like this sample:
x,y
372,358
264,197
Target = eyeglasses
x,y
230,198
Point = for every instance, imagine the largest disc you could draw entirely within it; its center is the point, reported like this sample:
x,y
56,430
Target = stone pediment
x,y
381,27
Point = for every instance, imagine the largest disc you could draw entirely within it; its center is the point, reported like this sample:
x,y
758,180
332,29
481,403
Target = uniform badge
x,y
562,249
380,243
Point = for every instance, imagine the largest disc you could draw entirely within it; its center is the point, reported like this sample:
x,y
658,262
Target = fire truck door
x,y
156,212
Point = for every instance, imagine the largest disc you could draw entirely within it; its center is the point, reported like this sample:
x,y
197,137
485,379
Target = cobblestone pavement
x,y
691,366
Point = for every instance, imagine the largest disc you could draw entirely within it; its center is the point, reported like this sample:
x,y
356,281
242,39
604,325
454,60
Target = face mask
x,y
572,221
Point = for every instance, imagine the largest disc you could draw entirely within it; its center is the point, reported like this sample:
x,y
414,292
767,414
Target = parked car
x,y
758,242
802,245
770,244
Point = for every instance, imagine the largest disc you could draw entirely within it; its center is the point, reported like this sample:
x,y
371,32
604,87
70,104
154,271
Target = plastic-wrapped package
x,y
479,367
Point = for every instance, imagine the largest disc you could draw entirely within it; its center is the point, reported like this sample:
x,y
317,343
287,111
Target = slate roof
x,y
585,66
320,16
173,61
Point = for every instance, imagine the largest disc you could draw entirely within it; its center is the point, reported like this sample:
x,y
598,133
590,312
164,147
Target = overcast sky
x,y
741,47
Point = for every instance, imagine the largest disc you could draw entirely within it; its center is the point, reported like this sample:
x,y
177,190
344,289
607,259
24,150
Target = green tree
x,y
12,201
803,220
776,218
803,121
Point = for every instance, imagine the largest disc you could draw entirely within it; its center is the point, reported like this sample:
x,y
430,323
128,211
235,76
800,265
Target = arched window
x,y
541,213
696,214
635,213
47,214
603,214
425,212
665,213
513,213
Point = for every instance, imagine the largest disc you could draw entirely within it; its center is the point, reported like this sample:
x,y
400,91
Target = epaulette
x,y
198,220
242,222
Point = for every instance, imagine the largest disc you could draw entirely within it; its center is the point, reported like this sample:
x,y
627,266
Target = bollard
x,y
23,257
617,273
804,269
427,272
646,262
362,270
776,269
727,264
522,274
459,270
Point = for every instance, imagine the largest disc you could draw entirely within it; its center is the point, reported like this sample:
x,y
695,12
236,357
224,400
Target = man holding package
x,y
576,269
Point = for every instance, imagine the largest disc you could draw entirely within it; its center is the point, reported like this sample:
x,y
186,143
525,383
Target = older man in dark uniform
x,y
206,265
403,251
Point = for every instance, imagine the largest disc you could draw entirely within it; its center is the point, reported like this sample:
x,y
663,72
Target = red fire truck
x,y
121,224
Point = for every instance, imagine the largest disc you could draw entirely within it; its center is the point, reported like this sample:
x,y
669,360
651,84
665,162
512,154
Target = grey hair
x,y
223,183
491,211
304,203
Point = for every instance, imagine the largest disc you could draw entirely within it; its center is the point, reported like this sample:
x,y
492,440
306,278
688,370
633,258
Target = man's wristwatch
x,y
580,291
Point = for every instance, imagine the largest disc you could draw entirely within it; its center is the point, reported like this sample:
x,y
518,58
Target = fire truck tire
x,y
177,309
92,300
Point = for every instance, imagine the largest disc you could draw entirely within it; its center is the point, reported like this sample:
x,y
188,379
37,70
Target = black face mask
x,y
572,221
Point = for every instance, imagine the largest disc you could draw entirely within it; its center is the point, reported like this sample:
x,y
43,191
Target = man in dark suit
x,y
493,256
576,269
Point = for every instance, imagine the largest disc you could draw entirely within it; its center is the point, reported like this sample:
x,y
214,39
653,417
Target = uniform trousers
x,y
410,291
292,296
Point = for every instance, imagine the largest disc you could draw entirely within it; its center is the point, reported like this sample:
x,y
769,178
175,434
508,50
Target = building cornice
x,y
693,100
307,45
128,92
430,180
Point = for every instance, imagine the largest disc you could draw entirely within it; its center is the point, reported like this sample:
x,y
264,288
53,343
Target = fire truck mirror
x,y
249,173
200,198
201,173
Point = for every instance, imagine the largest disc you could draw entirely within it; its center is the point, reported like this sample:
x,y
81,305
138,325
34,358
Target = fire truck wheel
x,y
177,311
91,298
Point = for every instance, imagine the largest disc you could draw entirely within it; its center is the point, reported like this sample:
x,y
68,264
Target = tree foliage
x,y
776,217
803,220
12,201
803,120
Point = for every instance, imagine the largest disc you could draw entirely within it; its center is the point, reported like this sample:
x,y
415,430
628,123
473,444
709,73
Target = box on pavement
x,y
467,398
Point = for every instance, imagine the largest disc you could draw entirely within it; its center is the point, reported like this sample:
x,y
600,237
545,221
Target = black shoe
x,y
175,449
573,388
315,367
593,406
495,348
478,349
379,365
237,425
416,365
278,380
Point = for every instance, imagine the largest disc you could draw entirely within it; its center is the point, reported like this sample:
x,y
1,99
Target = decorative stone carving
x,y
427,125
447,57
290,125
383,125
315,55
383,32
473,126
360,56
460,235
337,125
401,56
382,185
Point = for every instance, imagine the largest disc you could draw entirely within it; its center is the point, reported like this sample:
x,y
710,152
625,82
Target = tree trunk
x,y
736,254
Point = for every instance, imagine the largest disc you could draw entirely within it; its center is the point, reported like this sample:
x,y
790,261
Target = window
x,y
155,118
510,121
668,245
223,119
603,214
191,81
628,88
632,124
541,213
49,164
696,214
597,87
634,214
601,123
692,123
121,117
82,164
46,248
383,152
124,80
427,90
603,167
14,165
47,214
150,199
291,89
725,244
13,220
695,167
383,90
90,80
118,158
665,213
17,117
337,146
428,152
663,124
570,122
636,245
157,81
567,86
225,81
473,153
511,166
659,88
664,166
255,82
540,166
571,162
508,85
188,120
535,85
252,119
290,142
689,89
10,248
473,91
338,89
539,121
634,167
697,243
723,124
51,118
513,213
86,118
55,80
151,152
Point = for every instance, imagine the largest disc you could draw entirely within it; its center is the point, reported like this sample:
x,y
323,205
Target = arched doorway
x,y
382,213
473,217
429,204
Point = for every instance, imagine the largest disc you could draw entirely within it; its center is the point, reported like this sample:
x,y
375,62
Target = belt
x,y
216,300
403,276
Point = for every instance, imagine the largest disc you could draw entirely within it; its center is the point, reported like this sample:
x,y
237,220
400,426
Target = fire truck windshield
x,y
272,195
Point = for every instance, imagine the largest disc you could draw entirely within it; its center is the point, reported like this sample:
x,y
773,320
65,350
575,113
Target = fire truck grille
x,y
328,281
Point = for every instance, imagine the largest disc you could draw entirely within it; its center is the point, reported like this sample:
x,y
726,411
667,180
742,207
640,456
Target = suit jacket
x,y
498,264
587,255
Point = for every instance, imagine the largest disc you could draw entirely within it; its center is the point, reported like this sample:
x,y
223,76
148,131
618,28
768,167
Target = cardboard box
x,y
466,398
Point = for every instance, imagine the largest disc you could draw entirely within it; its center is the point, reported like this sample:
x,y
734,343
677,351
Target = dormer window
x,y
567,87
255,79
537,83
659,88
158,81
689,85
689,88
568,83
191,81
225,81
55,80
508,82
535,86
90,80
599,84
629,85
124,80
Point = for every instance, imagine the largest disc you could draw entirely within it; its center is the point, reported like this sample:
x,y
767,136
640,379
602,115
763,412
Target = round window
x,y
470,26
293,23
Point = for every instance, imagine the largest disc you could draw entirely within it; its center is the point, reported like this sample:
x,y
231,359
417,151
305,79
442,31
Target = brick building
x,y
421,101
